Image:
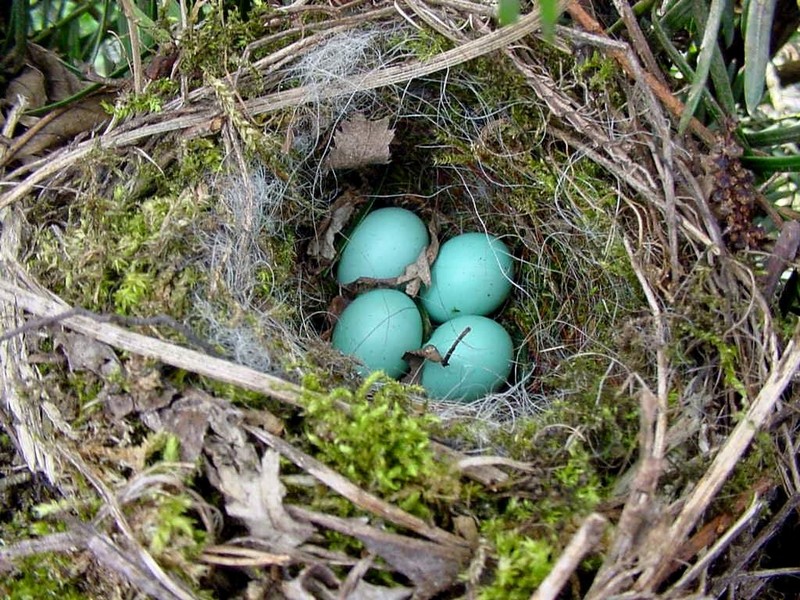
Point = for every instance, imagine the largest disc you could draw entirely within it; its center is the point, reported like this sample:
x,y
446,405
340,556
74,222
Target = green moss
x,y
521,561
150,101
162,447
422,43
44,576
199,157
601,74
86,387
123,255
761,461
174,528
378,445
522,564
216,47
703,333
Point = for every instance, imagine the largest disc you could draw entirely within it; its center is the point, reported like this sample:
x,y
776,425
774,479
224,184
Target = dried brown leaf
x,y
30,84
415,274
85,354
254,494
418,272
187,419
60,81
83,116
360,142
323,246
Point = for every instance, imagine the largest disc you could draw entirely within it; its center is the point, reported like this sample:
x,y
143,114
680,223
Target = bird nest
x,y
167,302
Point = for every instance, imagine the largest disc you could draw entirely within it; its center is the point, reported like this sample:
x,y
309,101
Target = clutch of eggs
x,y
471,277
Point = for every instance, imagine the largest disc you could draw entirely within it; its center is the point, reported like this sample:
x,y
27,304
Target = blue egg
x,y
480,360
382,245
471,276
378,328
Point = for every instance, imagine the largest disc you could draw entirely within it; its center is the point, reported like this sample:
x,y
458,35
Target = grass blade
x,y
774,136
707,47
772,164
756,50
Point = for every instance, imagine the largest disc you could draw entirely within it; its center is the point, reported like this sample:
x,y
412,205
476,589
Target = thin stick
x,y
171,354
753,510
724,462
136,53
156,321
172,588
461,336
766,534
355,494
584,540
638,40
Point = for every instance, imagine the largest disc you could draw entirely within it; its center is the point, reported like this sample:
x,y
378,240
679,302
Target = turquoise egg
x,y
377,328
382,245
471,276
480,362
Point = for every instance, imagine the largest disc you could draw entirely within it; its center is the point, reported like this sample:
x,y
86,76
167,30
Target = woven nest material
x,y
642,281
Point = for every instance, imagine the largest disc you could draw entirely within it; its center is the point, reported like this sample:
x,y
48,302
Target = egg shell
x,y
382,245
479,364
471,276
377,328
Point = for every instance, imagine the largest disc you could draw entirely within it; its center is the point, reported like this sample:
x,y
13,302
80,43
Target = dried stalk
x,y
583,542
355,494
30,427
725,461
171,354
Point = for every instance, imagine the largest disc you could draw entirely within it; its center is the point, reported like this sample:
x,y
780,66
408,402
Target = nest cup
x,y
626,307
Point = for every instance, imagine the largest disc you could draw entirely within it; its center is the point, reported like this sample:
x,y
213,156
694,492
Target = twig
x,y
449,355
496,40
753,510
716,475
664,94
785,250
136,53
172,588
584,540
236,556
158,320
20,141
793,571
652,446
639,42
111,557
355,494
55,542
707,535
765,535
171,354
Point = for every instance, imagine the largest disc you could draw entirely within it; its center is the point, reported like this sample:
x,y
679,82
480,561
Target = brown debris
x,y
733,196
360,142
